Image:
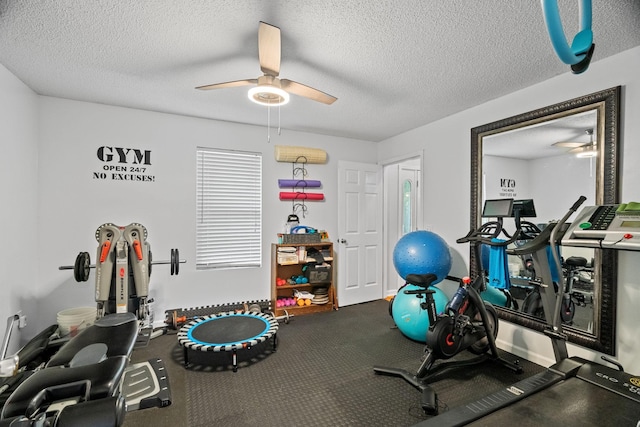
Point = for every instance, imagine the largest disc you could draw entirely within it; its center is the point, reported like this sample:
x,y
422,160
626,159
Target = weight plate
x,y
81,267
76,268
177,254
150,257
172,262
174,320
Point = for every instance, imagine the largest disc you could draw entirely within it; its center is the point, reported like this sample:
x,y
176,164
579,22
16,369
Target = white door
x,y
359,233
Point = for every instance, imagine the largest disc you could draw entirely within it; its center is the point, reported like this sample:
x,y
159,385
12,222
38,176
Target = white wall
x,y
549,181
18,190
73,203
494,169
561,178
447,176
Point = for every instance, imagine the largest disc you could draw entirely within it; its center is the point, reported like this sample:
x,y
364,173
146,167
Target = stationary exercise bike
x,y
531,303
467,323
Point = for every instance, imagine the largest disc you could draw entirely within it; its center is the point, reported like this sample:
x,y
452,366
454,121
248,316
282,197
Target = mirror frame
x,y
607,102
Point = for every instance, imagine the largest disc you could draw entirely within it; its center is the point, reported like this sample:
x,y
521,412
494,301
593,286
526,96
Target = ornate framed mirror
x,y
534,156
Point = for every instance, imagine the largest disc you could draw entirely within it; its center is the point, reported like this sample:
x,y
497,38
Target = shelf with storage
x,y
321,277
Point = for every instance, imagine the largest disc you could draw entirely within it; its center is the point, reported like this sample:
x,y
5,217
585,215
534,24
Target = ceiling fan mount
x,y
269,89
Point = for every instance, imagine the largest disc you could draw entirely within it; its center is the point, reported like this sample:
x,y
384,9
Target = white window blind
x,y
229,209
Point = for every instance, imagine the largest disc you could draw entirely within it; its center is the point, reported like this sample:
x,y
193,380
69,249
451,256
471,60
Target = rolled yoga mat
x,y
292,195
298,183
291,154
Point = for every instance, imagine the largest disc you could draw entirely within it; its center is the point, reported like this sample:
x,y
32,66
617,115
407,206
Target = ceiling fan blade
x,y
569,144
269,49
583,148
306,91
235,83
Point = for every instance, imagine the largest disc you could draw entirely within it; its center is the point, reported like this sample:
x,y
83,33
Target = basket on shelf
x,y
301,238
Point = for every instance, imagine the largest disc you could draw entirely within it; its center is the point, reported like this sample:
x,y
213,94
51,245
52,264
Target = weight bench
x,y
80,384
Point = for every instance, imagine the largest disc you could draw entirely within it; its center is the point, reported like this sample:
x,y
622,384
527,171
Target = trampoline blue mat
x,y
228,330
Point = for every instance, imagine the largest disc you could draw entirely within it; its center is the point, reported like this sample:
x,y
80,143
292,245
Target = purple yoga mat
x,y
298,183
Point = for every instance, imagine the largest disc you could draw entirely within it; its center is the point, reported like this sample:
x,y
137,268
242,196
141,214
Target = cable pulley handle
x,y
578,55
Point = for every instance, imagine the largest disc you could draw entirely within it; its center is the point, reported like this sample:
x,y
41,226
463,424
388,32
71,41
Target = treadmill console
x,y
606,226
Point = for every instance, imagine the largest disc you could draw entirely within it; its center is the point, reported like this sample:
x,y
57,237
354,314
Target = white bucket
x,y
73,320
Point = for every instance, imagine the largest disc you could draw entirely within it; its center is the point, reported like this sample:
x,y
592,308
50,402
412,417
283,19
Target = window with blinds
x,y
228,209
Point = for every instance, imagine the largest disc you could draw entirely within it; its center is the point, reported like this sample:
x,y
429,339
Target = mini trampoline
x,y
228,331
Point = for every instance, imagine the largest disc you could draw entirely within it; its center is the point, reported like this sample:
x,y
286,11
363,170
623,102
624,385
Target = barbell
x,y
175,322
82,266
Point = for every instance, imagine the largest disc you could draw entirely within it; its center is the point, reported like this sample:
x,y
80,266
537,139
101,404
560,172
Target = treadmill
x,y
573,391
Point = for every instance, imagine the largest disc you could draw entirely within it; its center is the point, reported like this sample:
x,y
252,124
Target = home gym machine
x,y
581,390
467,323
122,270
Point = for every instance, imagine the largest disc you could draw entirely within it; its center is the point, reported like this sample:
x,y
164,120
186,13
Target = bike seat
x,y
422,280
576,261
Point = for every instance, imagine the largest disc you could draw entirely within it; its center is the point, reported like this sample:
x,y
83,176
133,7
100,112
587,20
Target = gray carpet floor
x,y
320,375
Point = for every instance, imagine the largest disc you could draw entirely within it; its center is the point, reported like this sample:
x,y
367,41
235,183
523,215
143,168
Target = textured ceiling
x,y
394,65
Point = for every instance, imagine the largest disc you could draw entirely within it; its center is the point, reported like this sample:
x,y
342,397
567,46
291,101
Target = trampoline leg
x,y
186,357
275,341
234,360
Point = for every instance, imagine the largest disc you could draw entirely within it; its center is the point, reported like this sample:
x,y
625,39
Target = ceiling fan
x,y
580,149
269,89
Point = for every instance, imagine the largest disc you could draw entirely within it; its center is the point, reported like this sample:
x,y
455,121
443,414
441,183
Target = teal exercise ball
x,y
422,252
495,296
409,317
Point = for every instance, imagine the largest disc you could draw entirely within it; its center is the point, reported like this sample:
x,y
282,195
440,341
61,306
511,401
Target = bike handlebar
x,y
548,235
480,237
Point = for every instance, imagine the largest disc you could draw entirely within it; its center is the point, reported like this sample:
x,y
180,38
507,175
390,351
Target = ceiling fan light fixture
x,y
586,152
268,95
589,150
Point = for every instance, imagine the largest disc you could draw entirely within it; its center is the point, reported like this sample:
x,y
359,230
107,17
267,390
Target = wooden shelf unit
x,y
286,271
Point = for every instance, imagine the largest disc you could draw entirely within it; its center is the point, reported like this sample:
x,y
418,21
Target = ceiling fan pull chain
x,y
269,124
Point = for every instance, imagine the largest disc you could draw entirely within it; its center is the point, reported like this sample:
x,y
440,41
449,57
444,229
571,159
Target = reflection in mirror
x,y
528,163
407,210
552,156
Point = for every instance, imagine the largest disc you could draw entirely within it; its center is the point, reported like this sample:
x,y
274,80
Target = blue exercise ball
x,y
484,256
409,317
422,252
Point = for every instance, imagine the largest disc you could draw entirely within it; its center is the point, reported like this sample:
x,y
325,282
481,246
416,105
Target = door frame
x,y
390,220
